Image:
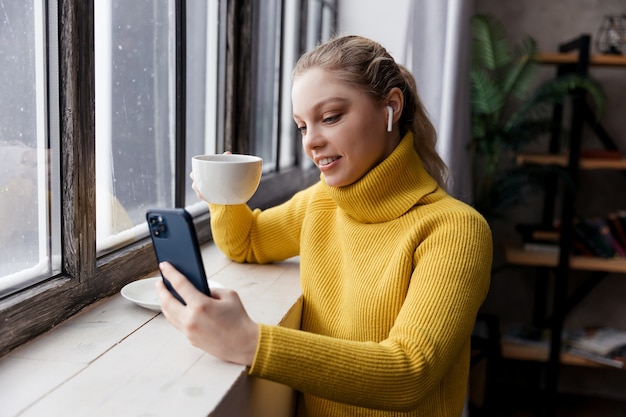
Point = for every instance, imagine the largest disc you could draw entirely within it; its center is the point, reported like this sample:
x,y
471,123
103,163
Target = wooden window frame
x,y
85,277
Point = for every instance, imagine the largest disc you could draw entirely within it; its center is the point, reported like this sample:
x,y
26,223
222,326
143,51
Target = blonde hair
x,y
365,64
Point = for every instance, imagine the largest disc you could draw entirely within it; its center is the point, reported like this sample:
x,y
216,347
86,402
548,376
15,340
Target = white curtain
x,y
438,55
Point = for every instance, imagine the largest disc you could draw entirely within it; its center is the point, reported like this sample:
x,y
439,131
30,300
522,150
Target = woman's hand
x,y
218,325
195,187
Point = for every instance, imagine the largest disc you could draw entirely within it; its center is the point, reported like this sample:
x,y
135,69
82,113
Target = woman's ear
x,y
395,101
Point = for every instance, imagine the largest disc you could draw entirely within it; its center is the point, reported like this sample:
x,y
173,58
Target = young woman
x,y
393,269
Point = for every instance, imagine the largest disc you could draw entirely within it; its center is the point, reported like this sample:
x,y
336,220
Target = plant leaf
x,y
557,90
522,71
490,48
486,95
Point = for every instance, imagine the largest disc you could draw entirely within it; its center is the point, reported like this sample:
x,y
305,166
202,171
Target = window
x,y
29,169
137,61
143,87
135,93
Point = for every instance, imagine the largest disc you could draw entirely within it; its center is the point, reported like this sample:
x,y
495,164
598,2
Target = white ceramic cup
x,y
227,178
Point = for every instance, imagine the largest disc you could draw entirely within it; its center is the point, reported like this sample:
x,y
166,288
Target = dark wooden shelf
x,y
598,60
516,254
562,160
538,353
607,158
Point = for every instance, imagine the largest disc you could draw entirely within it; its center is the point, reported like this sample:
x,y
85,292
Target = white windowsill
x,y
118,359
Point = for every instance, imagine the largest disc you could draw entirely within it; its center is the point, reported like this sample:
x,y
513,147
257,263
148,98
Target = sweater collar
x,y
388,190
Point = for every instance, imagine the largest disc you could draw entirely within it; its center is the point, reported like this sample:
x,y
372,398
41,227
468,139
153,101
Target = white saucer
x,y
143,293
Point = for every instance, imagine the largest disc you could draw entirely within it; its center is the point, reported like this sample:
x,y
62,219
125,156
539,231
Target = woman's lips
x,y
324,164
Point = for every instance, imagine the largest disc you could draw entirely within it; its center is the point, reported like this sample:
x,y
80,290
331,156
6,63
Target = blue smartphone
x,y
174,240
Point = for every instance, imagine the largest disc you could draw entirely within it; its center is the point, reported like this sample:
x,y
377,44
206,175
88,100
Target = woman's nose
x,y
313,138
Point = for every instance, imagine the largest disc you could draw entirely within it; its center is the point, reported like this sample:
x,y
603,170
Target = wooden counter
x,y
118,359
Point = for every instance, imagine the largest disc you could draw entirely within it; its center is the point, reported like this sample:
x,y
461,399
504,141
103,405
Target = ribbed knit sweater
x,y
393,271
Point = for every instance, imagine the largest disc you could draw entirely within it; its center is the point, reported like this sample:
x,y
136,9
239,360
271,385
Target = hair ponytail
x,y
415,119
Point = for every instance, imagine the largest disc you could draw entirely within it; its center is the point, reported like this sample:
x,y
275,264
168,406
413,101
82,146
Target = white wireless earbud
x,y
389,118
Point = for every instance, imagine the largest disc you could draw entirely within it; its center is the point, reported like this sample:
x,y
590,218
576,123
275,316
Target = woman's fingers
x,y
218,325
194,187
181,284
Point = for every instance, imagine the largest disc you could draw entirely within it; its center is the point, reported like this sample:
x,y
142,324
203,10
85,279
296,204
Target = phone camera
x,y
155,219
157,225
160,229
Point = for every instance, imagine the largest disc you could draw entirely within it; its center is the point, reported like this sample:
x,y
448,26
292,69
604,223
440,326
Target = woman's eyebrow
x,y
329,100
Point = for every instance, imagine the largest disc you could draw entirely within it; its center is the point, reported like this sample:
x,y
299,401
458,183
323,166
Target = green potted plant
x,y
509,112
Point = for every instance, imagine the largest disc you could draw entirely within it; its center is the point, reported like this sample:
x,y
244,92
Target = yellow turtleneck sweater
x,y
393,271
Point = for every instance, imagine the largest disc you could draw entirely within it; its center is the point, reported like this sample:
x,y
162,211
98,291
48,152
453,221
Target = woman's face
x,y
343,129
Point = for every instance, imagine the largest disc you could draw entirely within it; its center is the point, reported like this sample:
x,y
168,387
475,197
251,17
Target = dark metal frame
x,y
562,301
181,103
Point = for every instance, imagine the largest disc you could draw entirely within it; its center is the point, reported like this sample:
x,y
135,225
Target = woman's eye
x,y
332,119
302,129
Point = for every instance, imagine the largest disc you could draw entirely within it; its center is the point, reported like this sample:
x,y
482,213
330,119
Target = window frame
x,y
85,277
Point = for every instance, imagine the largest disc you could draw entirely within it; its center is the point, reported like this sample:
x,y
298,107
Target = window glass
x,y
289,57
202,95
136,109
277,50
328,20
135,115
29,242
267,54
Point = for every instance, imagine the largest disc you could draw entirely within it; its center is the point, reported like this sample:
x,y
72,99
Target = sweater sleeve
x,y
428,342
260,236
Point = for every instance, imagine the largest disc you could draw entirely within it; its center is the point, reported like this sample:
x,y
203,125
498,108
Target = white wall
x,y
382,21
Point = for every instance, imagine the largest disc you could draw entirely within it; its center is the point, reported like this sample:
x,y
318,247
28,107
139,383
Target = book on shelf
x,y
579,248
604,345
600,227
597,236
617,223
608,360
539,238
600,340
593,233
610,230
527,335
617,247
